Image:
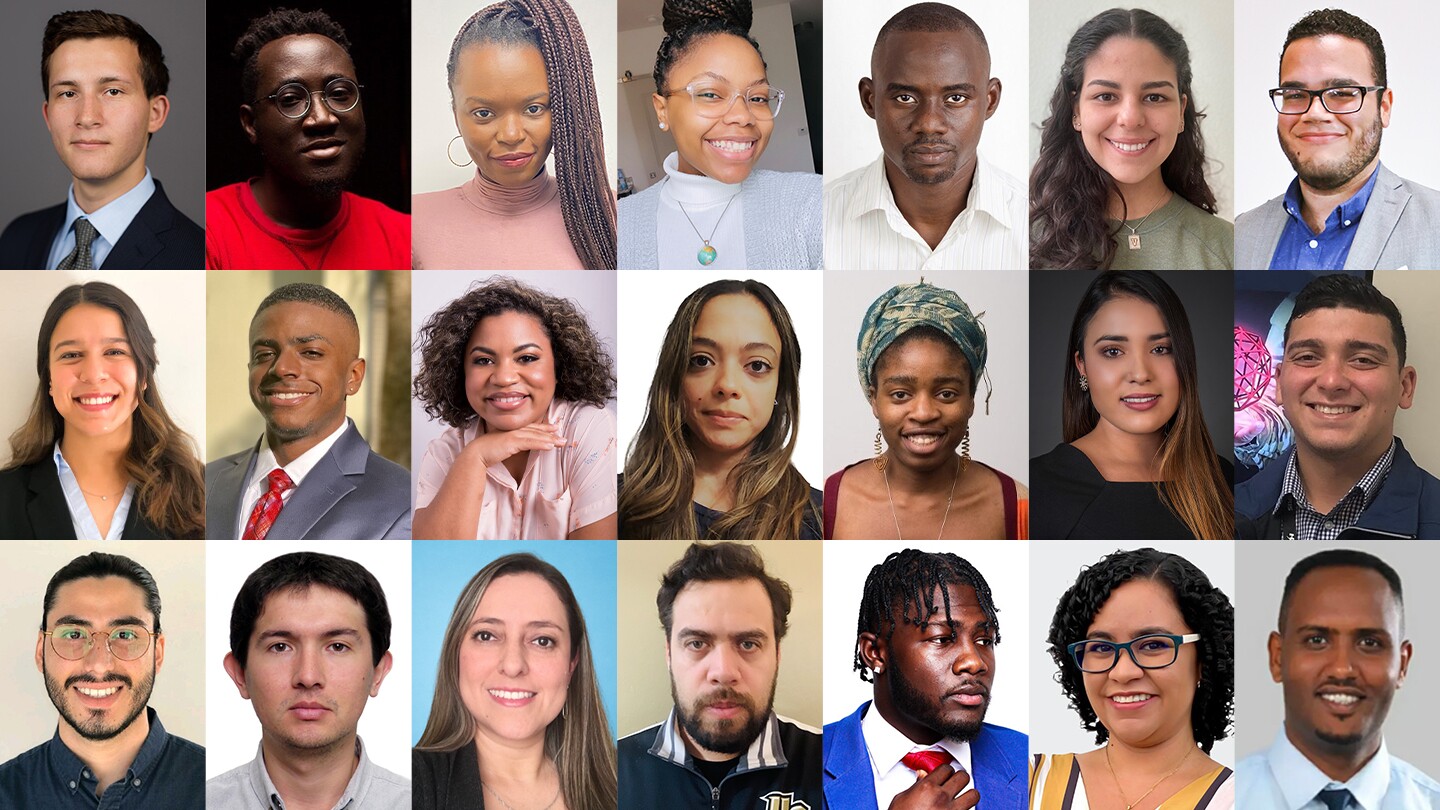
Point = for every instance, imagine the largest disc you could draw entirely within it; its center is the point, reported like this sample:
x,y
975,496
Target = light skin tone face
x,y
923,402
1128,358
1332,152
725,148
509,371
94,381
99,117
502,109
730,383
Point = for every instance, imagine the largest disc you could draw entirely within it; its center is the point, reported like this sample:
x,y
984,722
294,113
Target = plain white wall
x,y
1417,294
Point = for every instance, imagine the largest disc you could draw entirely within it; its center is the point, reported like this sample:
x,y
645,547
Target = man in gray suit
x,y
1344,209
312,475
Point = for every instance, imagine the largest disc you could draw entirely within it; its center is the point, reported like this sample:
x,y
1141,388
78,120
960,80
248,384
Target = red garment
x,y
927,760
365,235
262,517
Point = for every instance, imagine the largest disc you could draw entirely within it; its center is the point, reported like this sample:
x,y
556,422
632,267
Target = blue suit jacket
x,y
159,238
999,757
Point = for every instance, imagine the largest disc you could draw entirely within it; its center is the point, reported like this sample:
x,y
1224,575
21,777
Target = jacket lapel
x,y
49,514
323,487
999,785
141,241
222,496
1382,214
849,785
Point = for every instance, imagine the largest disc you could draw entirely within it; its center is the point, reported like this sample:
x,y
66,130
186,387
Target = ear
x,y
45,112
40,652
247,121
1408,378
873,651
1405,652
159,651
662,109
992,97
867,96
1079,364
1387,97
237,674
874,408
667,657
1273,645
356,376
1184,102
159,111
1279,382
381,670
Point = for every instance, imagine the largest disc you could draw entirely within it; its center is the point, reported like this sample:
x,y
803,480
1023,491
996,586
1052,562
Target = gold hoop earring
x,y
879,459
450,147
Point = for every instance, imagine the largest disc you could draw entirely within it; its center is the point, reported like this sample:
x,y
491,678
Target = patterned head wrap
x,y
906,306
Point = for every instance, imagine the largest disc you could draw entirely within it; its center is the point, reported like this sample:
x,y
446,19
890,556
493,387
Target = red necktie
x,y
927,760
262,517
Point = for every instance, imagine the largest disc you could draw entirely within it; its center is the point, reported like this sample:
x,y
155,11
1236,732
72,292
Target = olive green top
x,y
1177,236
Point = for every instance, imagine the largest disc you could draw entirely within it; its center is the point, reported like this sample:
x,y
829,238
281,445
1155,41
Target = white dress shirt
x,y
709,207
887,746
258,483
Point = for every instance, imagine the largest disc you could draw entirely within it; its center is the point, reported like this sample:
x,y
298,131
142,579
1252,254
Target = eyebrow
x,y
531,97
300,340
522,347
107,341
1319,628
909,379
1144,631
717,77
893,87
1124,339
1350,346
119,621
1145,86
705,635
535,623
748,347
283,633
301,81
1338,82
101,80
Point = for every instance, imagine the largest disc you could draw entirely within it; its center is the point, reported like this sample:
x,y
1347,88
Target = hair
x,y
1348,291
929,18
722,562
162,459
923,331
1339,558
101,25
578,740
551,27
280,22
1205,608
300,571
1335,22
98,564
313,294
772,498
687,23
903,589
1068,189
1195,487
584,370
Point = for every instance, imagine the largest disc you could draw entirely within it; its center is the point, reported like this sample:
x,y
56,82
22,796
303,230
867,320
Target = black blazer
x,y
32,507
159,238
446,780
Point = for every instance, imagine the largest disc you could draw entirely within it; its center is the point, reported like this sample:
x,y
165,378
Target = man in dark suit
x,y
312,475
105,80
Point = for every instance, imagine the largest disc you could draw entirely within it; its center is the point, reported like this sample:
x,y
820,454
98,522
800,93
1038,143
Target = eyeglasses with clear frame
x,y
1154,651
73,642
715,99
293,99
1340,100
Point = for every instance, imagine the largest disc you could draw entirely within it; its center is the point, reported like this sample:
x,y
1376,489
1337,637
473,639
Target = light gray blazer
x,y
352,494
1401,228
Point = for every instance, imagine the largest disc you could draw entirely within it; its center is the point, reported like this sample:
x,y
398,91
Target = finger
x,y
957,781
966,800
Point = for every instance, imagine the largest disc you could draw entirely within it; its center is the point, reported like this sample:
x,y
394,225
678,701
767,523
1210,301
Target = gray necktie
x,y
79,258
1335,799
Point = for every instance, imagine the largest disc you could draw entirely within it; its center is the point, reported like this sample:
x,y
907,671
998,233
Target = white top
x,y
258,484
864,229
887,746
80,517
704,200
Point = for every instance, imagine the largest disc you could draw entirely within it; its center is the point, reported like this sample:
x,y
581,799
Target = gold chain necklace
x,y
1129,804
964,462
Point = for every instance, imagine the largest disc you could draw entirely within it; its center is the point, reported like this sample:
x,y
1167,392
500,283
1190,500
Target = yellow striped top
x,y
1055,784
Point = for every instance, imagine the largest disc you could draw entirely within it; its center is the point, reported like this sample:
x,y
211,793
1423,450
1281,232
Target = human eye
x,y
65,94
985,641
313,354
68,356
701,361
290,97
535,109
758,366
904,98
483,114
1111,352
1304,358
947,395
279,647
749,645
116,351
1100,648
1162,349
112,91
1156,98
261,356
1364,361
1314,640
338,646
707,93
900,395
482,635
527,359
124,634
1294,94
480,361
694,644
1343,93
1104,96
545,642
1372,643
957,99
69,633
1153,644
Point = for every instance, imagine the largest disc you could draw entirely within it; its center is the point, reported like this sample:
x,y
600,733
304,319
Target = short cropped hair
x,y
70,25
1333,21
722,562
280,22
1350,292
303,293
98,564
1339,558
929,18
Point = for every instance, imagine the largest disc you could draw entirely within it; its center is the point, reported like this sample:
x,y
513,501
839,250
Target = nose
x,y
1130,113
967,658
319,115
723,663
1125,669
1332,374
923,408
286,364
930,117
512,129
92,369
308,667
90,110
738,112
1140,371
99,658
505,372
1317,111
512,658
727,384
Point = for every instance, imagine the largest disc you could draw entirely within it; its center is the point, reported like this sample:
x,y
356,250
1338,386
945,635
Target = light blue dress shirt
x,y
1283,779
80,517
110,221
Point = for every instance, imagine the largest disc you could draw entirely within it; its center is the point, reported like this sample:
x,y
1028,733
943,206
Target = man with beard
x,y
302,110
1344,210
309,645
1340,654
930,202
99,648
927,636
722,746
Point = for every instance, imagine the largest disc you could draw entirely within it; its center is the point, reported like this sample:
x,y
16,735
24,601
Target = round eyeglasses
x,y
715,99
73,642
293,99
1336,100
1155,651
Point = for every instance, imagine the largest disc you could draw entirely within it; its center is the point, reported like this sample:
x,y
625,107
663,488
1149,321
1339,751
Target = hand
x,y
495,448
937,789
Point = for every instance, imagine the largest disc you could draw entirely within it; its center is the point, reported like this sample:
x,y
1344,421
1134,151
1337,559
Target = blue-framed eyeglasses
x,y
1155,651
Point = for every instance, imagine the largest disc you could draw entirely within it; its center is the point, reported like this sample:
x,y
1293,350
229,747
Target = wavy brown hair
x,y
162,458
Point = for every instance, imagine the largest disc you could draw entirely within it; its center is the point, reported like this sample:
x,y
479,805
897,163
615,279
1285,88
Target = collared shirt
x,y
864,229
249,787
1309,523
80,517
765,750
1281,778
110,221
257,484
887,746
168,772
1302,249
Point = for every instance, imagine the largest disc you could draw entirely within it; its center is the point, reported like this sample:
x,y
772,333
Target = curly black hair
x,y
584,369
1205,608
280,22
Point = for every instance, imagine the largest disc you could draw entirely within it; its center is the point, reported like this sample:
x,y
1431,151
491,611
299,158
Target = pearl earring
x,y
662,125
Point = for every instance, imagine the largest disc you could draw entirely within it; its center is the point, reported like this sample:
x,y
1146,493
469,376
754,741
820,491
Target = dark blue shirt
x,y
1302,249
167,773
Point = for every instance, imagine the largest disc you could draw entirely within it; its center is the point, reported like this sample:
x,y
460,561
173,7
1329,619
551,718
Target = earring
x,y
1084,383
965,446
449,147
663,125
879,668
879,459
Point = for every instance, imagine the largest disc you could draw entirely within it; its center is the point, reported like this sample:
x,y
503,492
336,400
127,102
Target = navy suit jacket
x,y
159,238
999,757
33,507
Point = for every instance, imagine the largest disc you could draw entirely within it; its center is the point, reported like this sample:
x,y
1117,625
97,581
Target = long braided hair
x,y
687,22
552,27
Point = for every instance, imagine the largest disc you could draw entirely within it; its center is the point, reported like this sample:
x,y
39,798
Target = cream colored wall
x,y
1416,293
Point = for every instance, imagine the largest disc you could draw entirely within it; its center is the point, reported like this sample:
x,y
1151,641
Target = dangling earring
x,y
449,147
965,446
1084,383
879,459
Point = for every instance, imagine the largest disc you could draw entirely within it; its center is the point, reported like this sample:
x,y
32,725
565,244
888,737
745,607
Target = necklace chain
x,y
959,469
708,253
1129,804
497,795
1135,231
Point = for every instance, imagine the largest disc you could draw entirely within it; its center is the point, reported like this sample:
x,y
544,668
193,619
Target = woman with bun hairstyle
x,y
714,208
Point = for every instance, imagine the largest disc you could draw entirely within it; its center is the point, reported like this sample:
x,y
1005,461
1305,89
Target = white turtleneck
x,y
704,200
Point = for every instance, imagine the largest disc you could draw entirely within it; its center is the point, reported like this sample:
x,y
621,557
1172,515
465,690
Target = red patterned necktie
x,y
927,760
262,517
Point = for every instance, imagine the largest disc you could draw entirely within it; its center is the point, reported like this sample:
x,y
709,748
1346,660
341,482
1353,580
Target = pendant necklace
x,y
707,254
1129,804
1135,231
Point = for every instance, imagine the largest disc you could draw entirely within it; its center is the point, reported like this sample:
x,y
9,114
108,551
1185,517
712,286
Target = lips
x,y
308,710
511,698
323,149
1339,698
513,160
507,400
95,693
922,441
1131,147
285,399
1140,402
1130,700
970,695
1332,410
732,148
96,402
89,144
724,418
929,154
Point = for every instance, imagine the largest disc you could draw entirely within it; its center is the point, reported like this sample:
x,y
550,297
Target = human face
x,y
733,374
923,401
321,150
1329,150
1143,707
725,148
115,691
1129,360
509,370
94,381
310,668
930,97
1129,111
99,117
724,659
502,107
303,365
516,659
1341,383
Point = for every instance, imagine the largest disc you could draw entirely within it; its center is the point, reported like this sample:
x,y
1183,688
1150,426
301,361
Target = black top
x,y
705,517
446,780
33,507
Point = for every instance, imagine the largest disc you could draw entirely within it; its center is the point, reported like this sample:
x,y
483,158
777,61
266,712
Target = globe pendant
x,y
706,256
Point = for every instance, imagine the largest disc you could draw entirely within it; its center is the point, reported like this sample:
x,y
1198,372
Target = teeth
x,y
1335,410
96,400
1140,400
731,146
1131,698
1341,700
924,440
289,396
1130,147
98,693
507,695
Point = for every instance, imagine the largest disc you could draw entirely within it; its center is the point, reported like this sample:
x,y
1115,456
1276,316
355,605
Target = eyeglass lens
x,y
1296,101
341,95
1148,652
713,100
73,642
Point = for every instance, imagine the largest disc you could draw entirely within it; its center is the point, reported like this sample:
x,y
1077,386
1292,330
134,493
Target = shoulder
x,y
1007,182
798,740
799,188
1064,461
1271,210
839,189
223,197
649,199
583,414
1257,494
229,782
1415,780
376,211
634,746
219,465
184,750
14,772
381,471
34,220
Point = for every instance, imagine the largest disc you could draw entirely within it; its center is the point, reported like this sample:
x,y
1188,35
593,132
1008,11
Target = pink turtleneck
x,y
483,225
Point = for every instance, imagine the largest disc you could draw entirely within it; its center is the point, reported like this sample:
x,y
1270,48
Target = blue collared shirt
x,y
80,517
110,221
168,772
1302,249
1281,778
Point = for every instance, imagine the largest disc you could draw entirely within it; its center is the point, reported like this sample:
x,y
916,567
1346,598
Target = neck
x,y
287,451
1338,763
1137,200
310,777
713,487
1329,479
1316,204
108,759
295,206
99,460
1128,450
92,195
939,480
936,203
1148,762
508,762
883,703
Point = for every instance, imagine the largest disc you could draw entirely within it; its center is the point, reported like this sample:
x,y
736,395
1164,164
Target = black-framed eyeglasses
x,y
1155,651
73,642
1336,100
293,99
715,99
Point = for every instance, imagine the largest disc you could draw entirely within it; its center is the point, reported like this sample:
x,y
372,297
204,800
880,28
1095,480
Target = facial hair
x,y
730,736
1337,173
924,709
89,723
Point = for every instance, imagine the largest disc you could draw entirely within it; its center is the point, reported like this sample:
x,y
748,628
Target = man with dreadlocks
x,y
926,640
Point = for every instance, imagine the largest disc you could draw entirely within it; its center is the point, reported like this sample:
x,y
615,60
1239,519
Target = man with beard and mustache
x,y
723,746
927,636
99,648
1340,654
1344,210
302,109
930,202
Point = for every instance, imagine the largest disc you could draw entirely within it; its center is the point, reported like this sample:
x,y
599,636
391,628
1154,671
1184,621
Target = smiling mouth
x,y
508,401
1340,699
97,693
1131,148
1334,410
732,147
99,401
514,160
1130,700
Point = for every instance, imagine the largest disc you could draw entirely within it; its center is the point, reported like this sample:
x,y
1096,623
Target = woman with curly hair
x,y
522,381
1145,646
1120,179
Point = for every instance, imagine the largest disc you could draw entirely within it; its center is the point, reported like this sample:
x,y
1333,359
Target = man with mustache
x,y
722,747
1340,654
99,648
1344,210
927,640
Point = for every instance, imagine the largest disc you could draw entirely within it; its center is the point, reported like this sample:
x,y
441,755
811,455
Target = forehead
x,y
87,319
923,354
107,57
721,607
521,598
499,68
738,317
99,599
1341,324
310,608
1129,60
965,608
1137,605
290,319
1343,597
1315,60
307,58
939,58
727,56
507,327
1126,315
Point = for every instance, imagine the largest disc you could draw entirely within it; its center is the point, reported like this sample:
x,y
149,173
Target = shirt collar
x,y
987,196
694,189
765,751
302,464
72,772
887,745
1347,213
1300,780
112,218
1368,485
266,791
